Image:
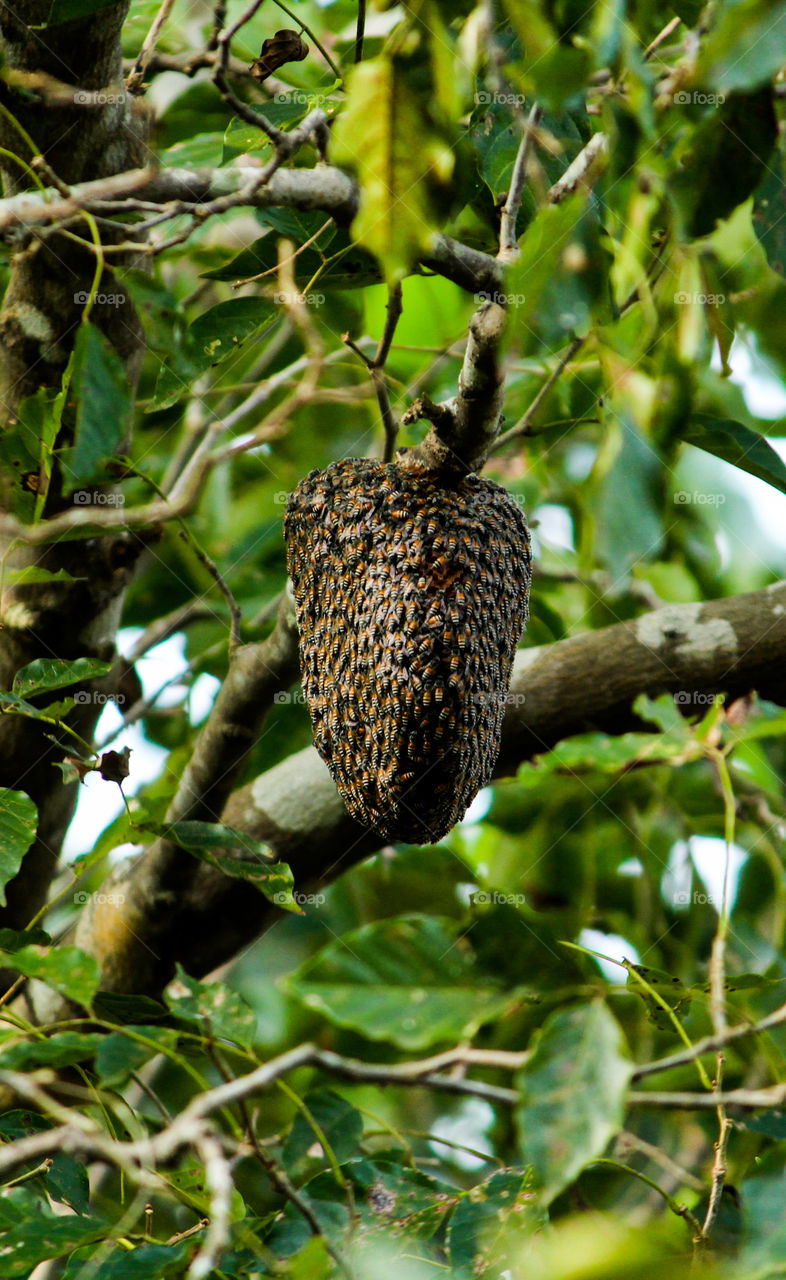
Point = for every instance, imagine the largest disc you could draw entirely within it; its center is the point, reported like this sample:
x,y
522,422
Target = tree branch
x,y
326,187
178,908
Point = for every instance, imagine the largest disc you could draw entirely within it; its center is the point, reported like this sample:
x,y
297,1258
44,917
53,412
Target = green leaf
x,y
32,574
18,825
67,1182
490,1221
13,939
273,879
116,1006
214,1007
654,987
203,151
119,1054
60,1050
533,274
339,1122
243,138
145,1262
19,465
333,259
769,210
55,673
72,972
101,385
403,980
744,46
739,445
22,1248
572,1095
553,69
210,340
385,135
724,160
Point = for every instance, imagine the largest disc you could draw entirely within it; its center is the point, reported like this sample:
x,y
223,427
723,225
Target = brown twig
x,y
508,245
137,75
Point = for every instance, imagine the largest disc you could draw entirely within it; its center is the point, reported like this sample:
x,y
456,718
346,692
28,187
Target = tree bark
x,y
50,278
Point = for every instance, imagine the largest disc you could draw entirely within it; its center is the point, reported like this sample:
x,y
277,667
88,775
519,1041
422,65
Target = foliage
x,y
564,1162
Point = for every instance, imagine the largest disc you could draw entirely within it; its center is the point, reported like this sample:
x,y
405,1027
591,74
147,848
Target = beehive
x,y
412,592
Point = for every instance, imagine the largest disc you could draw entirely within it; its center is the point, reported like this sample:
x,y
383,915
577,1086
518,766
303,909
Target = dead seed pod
x,y
412,592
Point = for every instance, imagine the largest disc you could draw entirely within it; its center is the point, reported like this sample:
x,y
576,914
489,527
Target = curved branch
x,y
325,187
201,918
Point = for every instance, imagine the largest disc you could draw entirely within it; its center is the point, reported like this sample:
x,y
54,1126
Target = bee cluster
x,y
412,592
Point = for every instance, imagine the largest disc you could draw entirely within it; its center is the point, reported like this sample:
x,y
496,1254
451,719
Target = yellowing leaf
x,y
385,135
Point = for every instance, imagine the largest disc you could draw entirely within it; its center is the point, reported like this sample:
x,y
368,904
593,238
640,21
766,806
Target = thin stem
x,y
507,227
717,996
311,36
134,81
524,424
681,1210
360,30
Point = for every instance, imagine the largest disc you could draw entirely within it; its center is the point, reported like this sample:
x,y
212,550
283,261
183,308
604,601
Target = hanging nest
x,y
412,592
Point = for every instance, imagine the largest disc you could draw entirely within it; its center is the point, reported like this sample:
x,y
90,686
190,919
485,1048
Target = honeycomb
x,y
412,592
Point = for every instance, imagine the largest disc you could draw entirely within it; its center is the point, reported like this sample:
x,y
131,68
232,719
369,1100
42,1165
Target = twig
x,y
218,1181
709,1044
465,427
219,22
375,364
681,1210
312,36
717,997
237,284
508,249
628,1141
134,81
662,35
360,30
524,425
745,1099
221,68
580,169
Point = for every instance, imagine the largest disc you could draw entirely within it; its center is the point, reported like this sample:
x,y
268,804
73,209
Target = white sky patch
x,y
479,807
555,526
765,397
469,1125
765,394
100,802
612,945
706,856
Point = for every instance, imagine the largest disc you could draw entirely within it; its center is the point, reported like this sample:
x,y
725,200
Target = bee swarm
x,y
412,592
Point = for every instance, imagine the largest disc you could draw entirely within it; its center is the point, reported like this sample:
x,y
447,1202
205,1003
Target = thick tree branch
x,y
41,315
185,910
465,427
324,187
